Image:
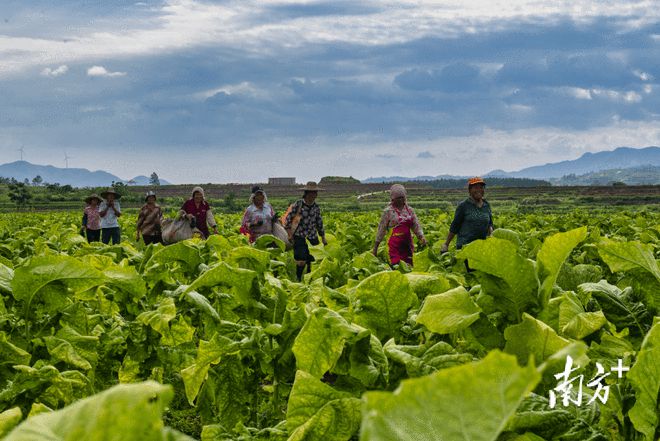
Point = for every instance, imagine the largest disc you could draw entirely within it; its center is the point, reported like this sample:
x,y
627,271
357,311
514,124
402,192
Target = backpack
x,y
293,226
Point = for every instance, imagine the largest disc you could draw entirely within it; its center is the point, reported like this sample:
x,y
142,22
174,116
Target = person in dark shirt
x,y
473,219
304,218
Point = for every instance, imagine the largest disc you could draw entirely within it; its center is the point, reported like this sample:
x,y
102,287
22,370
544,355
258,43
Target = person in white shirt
x,y
109,210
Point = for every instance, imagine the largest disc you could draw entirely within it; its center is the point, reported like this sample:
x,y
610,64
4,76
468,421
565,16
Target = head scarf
x,y
255,193
397,190
195,190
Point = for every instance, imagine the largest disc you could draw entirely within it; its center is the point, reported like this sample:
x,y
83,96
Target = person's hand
x,y
444,248
325,242
375,251
259,223
215,230
189,216
422,242
137,237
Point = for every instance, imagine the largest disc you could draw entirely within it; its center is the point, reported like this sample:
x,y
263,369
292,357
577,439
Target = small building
x,y
281,181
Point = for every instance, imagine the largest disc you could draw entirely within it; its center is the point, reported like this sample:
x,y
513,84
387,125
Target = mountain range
x,y
76,177
619,159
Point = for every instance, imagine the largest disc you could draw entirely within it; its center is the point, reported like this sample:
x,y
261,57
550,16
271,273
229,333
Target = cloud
x,y
61,70
425,155
454,77
386,156
100,71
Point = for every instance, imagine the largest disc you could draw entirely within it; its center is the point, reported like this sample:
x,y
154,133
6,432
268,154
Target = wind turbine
x,y
22,150
66,159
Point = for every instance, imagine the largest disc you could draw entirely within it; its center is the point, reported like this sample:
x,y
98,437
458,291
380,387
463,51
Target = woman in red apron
x,y
399,216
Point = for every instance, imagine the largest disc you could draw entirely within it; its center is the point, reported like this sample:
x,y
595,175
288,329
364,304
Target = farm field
x,y
214,340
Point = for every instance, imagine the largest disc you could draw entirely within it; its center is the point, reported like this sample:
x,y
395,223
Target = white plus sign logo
x,y
620,368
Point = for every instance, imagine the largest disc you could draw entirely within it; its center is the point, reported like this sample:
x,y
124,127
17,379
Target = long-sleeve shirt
x,y
93,218
110,218
203,215
149,220
253,216
392,217
471,222
310,223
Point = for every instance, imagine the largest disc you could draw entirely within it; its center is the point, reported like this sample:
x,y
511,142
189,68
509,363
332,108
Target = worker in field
x,y
304,222
198,211
259,215
473,219
91,223
110,211
149,221
399,216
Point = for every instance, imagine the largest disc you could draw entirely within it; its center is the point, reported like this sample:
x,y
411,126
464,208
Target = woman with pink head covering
x,y
402,219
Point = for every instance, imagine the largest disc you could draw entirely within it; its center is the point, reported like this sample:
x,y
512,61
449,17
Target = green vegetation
x,y
215,340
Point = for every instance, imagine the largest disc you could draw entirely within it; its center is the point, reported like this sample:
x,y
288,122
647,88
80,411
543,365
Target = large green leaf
x,y
424,284
250,258
321,341
645,378
77,350
242,282
209,352
30,279
121,276
574,321
449,312
469,402
624,256
318,412
159,319
126,412
425,359
499,258
9,419
620,306
554,251
381,303
532,337
11,354
6,274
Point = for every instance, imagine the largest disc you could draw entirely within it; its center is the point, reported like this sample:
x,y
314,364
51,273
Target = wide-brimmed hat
x,y
149,193
476,180
89,198
105,194
312,186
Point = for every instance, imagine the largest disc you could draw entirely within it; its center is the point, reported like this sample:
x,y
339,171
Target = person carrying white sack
x,y
197,208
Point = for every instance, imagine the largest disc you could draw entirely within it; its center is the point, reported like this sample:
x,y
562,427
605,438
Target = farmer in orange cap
x,y
399,216
473,219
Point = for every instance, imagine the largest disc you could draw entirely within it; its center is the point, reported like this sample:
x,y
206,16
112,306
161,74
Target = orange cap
x,y
476,180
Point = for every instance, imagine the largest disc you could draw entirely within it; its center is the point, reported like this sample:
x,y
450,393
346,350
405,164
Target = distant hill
x,y
76,177
144,180
386,179
620,158
644,175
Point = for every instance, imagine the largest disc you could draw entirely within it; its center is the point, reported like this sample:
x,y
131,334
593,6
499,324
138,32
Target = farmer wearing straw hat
x,y
148,224
198,209
304,222
109,210
91,219
473,219
259,216
399,216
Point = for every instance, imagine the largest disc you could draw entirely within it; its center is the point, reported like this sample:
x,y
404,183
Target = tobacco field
x,y
214,340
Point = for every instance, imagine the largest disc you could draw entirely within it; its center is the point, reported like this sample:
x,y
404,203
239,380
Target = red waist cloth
x,y
401,244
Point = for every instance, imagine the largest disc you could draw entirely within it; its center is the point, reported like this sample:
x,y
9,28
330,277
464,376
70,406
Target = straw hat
x,y
312,186
110,190
88,200
149,193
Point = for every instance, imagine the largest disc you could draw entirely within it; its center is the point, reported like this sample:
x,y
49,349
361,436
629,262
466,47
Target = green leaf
x,y
624,256
159,319
202,303
619,307
321,341
500,258
448,312
425,359
10,354
424,284
645,379
250,258
182,252
6,274
532,337
381,303
469,402
554,251
108,415
574,321
77,350
318,412
510,235
267,240
242,282
120,276
9,419
209,352
570,277
30,279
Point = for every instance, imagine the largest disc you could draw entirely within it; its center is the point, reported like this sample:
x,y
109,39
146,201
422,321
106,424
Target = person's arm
x,y
103,209
382,229
289,217
319,225
491,227
211,220
417,229
140,222
116,207
183,212
454,228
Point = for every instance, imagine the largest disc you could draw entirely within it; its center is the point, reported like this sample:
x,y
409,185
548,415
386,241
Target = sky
x,y
239,91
